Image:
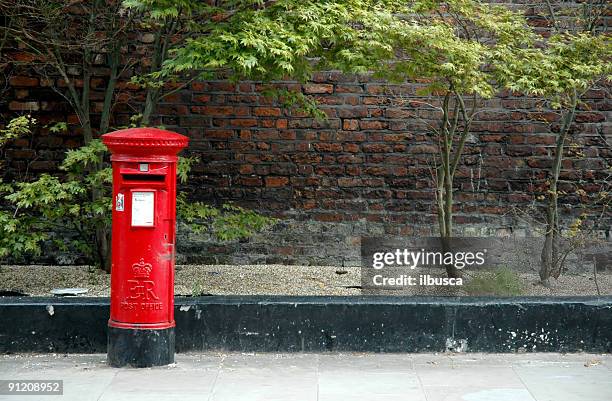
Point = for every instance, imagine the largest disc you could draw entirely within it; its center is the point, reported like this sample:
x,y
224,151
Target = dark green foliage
x,y
61,212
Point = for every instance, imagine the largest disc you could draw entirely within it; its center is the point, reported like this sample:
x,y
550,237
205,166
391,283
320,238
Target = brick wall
x,y
364,171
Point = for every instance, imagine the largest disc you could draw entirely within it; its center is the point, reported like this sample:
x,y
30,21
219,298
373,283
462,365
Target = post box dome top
x,y
145,142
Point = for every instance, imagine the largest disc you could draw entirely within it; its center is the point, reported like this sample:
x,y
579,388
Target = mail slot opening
x,y
144,177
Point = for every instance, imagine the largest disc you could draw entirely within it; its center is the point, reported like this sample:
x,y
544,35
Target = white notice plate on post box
x,y
143,206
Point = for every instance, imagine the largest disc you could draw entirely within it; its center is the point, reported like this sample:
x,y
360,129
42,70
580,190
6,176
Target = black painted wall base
x,y
140,348
314,324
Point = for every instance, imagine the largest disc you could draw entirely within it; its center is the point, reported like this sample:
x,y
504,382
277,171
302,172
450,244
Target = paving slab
x,y
567,382
474,394
323,377
267,377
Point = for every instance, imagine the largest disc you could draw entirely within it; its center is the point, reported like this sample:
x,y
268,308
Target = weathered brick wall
x,y
367,170
364,171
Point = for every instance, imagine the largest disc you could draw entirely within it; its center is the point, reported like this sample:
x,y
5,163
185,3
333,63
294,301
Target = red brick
x,y
349,89
376,112
246,122
287,135
346,159
374,182
541,139
174,110
398,113
351,147
221,86
309,204
246,169
518,150
376,148
491,138
329,100
353,112
73,119
245,87
376,100
520,198
220,110
218,134
329,170
23,57
24,106
266,135
376,125
43,166
267,111
311,89
21,93
199,86
353,170
351,100
590,117
120,85
351,136
328,147
328,217
516,139
375,170
426,149
548,117
399,171
311,158
23,81
201,98
97,82
276,181
349,182
376,89
249,181
21,142
20,153
397,137
350,125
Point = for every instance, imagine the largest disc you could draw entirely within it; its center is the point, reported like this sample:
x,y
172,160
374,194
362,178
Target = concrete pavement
x,y
324,377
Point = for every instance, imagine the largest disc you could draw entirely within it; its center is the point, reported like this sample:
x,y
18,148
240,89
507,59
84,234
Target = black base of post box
x,y
140,348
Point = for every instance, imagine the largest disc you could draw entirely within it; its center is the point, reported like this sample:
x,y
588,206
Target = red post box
x,y
141,325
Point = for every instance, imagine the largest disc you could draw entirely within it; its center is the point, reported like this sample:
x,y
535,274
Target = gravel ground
x,y
259,280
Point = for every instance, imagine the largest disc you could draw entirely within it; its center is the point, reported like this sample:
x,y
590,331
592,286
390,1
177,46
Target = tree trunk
x,y
451,270
550,264
444,206
444,193
548,259
103,245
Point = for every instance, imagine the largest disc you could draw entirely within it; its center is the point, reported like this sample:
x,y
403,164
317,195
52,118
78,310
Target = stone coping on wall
x,y
315,324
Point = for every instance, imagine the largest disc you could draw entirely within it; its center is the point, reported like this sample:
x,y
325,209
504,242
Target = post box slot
x,y
144,177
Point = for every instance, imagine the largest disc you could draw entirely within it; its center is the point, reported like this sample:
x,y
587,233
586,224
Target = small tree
x,y
560,69
15,238
74,39
276,39
40,209
451,45
69,40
